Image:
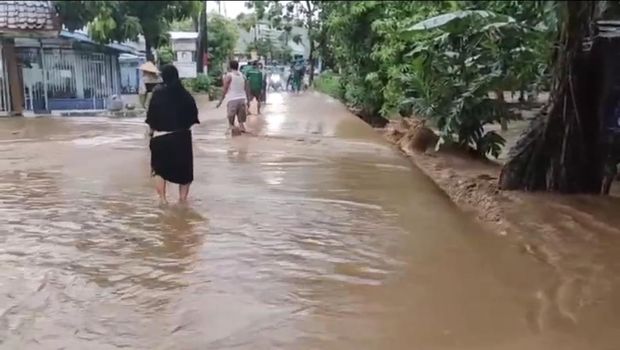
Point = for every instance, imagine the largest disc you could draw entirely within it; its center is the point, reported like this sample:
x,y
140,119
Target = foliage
x,y
455,68
445,68
202,83
184,25
293,13
165,55
349,27
222,38
272,50
110,21
329,83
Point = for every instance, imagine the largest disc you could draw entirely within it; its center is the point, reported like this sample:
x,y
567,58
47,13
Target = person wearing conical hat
x,y
148,80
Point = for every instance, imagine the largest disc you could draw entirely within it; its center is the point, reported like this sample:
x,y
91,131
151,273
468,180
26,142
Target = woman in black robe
x,y
171,114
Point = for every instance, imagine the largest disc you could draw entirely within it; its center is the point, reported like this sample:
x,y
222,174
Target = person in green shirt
x,y
255,82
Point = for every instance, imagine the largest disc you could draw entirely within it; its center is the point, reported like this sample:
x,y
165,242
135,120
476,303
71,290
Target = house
x,y
69,72
20,19
50,69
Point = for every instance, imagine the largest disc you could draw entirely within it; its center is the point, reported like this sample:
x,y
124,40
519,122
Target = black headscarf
x,y
171,108
170,76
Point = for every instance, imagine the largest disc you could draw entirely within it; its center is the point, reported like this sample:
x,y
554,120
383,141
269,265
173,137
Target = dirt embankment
x,y
470,182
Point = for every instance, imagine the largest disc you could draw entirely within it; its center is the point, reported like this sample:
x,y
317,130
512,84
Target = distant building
x,y
184,46
279,37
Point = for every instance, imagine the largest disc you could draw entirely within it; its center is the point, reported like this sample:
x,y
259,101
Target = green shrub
x,y
215,74
215,93
452,73
202,83
329,83
166,55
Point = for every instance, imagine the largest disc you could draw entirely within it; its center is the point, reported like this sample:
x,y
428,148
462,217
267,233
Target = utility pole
x,y
201,46
206,43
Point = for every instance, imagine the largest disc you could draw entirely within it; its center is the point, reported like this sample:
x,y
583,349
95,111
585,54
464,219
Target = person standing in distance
x,y
255,82
263,94
236,90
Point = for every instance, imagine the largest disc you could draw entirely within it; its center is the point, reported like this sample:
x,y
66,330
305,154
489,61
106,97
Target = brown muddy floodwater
x,y
315,234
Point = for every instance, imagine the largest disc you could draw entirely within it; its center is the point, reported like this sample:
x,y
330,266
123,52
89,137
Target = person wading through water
x,y
235,90
263,94
255,80
171,114
298,75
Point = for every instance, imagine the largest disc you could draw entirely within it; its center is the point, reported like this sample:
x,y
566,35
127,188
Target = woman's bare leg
x,y
160,186
183,193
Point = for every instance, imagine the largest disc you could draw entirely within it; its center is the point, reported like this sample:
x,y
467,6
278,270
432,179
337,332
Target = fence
x,y
57,78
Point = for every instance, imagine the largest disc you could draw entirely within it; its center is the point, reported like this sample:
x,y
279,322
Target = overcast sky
x,y
229,8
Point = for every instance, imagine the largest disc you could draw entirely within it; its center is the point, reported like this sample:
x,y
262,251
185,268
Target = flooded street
x,y
314,234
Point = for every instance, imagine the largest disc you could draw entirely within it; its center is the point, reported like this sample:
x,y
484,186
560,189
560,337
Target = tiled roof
x,y
27,16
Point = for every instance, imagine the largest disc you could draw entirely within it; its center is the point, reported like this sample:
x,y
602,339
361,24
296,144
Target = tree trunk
x,y
500,97
310,22
311,59
562,149
148,48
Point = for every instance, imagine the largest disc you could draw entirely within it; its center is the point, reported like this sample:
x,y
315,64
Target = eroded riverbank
x,y
578,237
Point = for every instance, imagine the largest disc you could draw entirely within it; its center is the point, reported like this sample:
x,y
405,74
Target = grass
x,y
329,83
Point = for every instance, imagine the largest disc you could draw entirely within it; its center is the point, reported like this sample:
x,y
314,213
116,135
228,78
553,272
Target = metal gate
x,y
31,65
5,97
62,79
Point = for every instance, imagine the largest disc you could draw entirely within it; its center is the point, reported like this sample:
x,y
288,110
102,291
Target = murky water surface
x,y
314,234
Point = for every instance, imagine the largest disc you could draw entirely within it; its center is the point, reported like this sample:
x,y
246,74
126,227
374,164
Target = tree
x,y
301,13
186,25
563,150
523,57
110,21
455,68
223,36
350,27
249,23
270,49
165,55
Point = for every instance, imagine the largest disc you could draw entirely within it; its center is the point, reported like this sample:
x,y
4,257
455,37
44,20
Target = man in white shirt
x,y
235,91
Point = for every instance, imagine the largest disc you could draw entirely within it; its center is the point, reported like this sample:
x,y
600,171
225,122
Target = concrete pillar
x,y
16,81
80,72
44,73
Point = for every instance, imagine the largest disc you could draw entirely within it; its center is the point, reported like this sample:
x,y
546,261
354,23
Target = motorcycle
x,y
275,82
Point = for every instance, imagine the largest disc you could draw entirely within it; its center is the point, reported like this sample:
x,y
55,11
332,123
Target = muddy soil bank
x,y
576,236
471,183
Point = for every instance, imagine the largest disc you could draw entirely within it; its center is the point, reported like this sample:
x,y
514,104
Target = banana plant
x,y
454,71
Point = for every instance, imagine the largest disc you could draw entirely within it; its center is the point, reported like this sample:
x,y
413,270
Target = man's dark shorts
x,y
255,94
